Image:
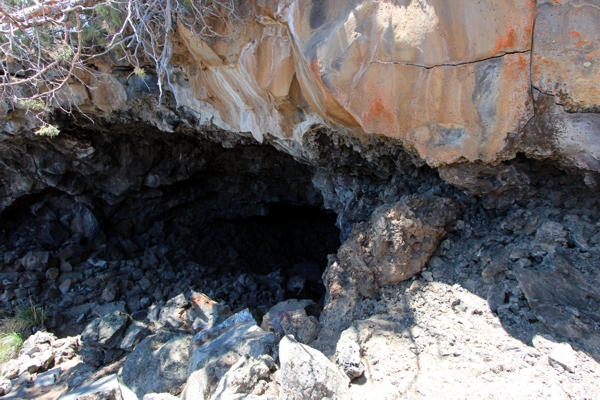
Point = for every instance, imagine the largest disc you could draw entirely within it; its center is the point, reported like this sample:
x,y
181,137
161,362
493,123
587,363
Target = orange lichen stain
x,y
593,55
581,43
528,21
506,42
516,67
379,117
575,34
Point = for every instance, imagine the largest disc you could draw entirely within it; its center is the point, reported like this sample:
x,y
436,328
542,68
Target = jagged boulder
x,y
107,331
306,374
158,364
214,352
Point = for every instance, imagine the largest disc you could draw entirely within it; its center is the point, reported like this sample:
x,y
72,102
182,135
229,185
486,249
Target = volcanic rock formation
x,y
422,174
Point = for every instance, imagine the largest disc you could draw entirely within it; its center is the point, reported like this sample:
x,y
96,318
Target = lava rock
x,y
158,364
52,273
11,369
35,260
136,332
246,376
214,351
347,354
307,374
106,332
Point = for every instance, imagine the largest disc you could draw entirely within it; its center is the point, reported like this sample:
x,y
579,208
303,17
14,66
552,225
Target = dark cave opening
x,y
159,216
288,246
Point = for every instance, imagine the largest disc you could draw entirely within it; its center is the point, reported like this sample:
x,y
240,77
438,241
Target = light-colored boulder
x,y
564,356
160,396
288,305
158,364
106,388
10,370
209,312
347,354
248,376
452,91
394,245
397,241
215,351
307,374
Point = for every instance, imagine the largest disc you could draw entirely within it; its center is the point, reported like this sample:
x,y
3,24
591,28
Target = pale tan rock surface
x,y
453,82
394,245
454,347
406,70
566,56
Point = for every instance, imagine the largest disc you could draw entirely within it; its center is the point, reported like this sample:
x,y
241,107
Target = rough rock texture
x,y
450,91
391,247
397,241
158,364
249,376
106,332
307,374
415,122
567,52
324,63
347,354
214,352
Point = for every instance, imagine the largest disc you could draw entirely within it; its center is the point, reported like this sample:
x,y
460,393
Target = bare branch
x,y
42,46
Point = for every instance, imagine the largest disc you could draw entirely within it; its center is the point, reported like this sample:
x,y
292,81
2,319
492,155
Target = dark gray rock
x,y
136,332
158,364
171,313
106,332
84,221
36,260
558,293
108,308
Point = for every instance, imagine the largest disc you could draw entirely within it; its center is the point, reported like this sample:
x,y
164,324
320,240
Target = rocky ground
x,y
433,292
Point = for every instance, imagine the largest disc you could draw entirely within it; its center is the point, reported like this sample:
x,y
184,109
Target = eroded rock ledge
x,y
513,76
458,162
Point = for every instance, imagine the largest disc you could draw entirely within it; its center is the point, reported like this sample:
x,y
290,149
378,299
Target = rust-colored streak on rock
x,y
566,56
507,41
380,116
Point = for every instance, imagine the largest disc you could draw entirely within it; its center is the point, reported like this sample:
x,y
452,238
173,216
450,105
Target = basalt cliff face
x,y
455,145
453,84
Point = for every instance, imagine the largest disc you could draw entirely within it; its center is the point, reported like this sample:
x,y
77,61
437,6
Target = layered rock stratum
x,y
457,144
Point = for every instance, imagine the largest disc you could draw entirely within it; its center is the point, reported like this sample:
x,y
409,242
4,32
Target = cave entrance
x,y
150,216
258,261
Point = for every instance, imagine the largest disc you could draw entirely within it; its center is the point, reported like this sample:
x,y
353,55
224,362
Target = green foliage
x,y
10,344
31,314
91,34
13,327
48,130
101,24
113,17
63,53
33,105
139,72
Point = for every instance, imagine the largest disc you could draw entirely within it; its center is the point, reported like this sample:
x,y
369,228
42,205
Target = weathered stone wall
x,y
452,83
